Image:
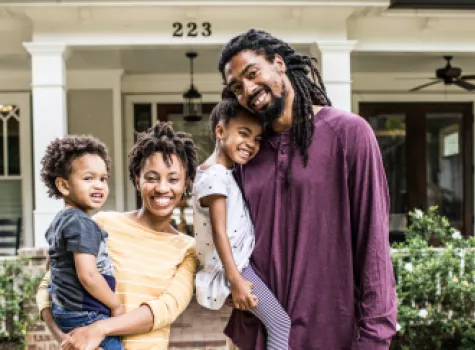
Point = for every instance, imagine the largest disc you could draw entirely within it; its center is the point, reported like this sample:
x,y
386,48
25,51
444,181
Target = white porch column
x,y
118,144
49,121
336,73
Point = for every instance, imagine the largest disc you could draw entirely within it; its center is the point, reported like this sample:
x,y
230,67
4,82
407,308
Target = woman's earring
x,y
185,194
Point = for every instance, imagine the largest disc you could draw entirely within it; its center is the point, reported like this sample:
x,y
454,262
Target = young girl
x,y
223,228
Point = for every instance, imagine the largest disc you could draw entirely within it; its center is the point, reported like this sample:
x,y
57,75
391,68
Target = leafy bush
x,y
435,272
17,289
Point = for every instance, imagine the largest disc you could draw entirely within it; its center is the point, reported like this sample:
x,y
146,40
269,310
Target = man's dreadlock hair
x,y
308,92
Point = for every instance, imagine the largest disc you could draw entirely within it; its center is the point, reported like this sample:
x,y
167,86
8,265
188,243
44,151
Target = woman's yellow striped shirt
x,y
151,268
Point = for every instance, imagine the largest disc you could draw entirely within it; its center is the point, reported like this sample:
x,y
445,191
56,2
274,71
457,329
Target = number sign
x,y
191,29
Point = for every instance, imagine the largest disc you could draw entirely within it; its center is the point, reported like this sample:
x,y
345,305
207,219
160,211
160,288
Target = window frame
x,y
416,148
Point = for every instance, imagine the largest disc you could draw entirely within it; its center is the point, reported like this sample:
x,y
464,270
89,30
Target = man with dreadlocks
x,y
318,198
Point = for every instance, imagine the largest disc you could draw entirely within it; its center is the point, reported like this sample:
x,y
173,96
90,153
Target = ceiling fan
x,y
449,76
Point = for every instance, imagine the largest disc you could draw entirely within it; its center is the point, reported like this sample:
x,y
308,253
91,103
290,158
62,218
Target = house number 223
x,y
192,29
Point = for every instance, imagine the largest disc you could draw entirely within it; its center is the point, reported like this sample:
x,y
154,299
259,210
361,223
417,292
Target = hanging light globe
x,y
192,102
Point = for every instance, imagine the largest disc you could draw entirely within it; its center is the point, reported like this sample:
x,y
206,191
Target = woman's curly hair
x,y
161,138
61,152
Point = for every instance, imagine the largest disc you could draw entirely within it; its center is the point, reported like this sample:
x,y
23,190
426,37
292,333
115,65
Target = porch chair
x,y
9,236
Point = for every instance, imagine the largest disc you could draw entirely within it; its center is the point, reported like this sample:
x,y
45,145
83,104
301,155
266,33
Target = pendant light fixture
x,y
192,98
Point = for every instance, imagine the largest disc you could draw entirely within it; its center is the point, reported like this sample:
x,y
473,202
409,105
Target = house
x,y
110,68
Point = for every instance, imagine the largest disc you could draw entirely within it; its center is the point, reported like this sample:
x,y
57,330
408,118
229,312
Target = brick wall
x,y
199,328
38,338
196,328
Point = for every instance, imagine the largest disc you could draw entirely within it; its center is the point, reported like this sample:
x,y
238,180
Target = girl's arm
x,y
95,283
240,288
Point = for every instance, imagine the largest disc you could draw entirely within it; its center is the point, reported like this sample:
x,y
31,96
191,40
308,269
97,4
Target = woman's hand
x,y
120,310
60,337
84,338
241,292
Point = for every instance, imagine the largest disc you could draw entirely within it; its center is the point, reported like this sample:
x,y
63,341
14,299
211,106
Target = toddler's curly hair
x,y
61,152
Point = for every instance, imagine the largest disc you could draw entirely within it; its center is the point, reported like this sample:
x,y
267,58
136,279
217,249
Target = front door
x,y
428,158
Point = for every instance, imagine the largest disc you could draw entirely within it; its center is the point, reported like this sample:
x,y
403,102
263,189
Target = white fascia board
x,y
429,13
242,3
95,34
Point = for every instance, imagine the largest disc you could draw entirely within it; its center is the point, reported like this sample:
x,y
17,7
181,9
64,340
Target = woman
x,y
154,263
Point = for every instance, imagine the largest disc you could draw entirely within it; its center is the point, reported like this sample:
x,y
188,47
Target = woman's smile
x,y
162,201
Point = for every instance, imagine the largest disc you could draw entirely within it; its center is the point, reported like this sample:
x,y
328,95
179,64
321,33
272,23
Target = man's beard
x,y
275,108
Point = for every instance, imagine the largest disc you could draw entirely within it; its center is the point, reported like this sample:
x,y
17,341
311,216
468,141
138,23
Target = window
x,y
9,141
10,172
428,156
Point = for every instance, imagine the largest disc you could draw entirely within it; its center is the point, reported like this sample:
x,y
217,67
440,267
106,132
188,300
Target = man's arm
x,y
373,271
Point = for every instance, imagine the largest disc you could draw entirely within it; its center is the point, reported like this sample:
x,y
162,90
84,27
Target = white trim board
x,y
201,3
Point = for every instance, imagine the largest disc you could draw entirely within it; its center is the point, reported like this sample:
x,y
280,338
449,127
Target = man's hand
x,y
241,292
84,338
120,310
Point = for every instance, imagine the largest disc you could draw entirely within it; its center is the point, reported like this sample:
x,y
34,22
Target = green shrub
x,y
435,271
17,290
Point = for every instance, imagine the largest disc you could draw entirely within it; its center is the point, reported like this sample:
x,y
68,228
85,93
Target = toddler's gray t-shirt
x,y
73,231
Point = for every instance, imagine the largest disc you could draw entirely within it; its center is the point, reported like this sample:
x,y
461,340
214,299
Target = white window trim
x,y
22,100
